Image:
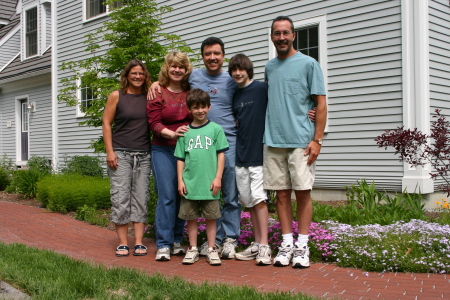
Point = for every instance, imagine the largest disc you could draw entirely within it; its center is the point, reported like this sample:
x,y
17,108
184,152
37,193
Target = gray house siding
x,y
439,30
40,136
72,139
9,49
364,72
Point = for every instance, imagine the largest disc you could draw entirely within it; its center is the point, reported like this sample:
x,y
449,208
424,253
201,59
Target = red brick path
x,y
45,230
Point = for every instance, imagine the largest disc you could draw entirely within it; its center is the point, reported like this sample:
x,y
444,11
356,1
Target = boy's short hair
x,y
212,41
241,61
197,97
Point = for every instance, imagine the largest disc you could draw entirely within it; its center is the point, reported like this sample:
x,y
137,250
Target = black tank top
x,y
131,132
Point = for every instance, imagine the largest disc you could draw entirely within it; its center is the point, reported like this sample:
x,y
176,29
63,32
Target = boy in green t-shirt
x,y
200,165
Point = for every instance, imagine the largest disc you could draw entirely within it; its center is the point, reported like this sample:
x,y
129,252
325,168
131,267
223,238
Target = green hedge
x,y
67,192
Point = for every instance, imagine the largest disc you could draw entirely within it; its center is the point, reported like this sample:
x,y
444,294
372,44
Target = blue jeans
x,y
228,226
169,228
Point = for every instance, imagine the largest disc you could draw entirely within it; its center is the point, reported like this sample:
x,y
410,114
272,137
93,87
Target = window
x,y
94,8
98,7
31,32
86,95
307,41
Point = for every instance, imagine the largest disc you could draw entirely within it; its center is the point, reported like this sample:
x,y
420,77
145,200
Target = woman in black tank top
x,y
128,155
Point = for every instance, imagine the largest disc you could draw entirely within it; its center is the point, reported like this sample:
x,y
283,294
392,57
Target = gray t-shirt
x,y
221,89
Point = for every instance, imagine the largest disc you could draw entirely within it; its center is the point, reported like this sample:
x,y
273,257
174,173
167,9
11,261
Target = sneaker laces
x,y
228,246
283,251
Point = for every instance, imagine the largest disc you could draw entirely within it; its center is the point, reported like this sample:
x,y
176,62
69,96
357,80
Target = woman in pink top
x,y
168,118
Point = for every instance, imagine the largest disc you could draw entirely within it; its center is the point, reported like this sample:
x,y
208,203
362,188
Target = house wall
x,y
364,72
72,139
9,48
39,121
439,39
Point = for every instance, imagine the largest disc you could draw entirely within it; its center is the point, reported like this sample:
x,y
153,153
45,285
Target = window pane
x,y
31,31
95,7
313,37
314,53
302,39
307,41
87,95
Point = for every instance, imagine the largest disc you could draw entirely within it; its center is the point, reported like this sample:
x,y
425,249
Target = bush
x,y
92,215
67,192
24,182
366,205
5,179
6,169
40,163
83,165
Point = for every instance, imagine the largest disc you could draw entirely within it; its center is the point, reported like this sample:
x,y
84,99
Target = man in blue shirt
x,y
292,141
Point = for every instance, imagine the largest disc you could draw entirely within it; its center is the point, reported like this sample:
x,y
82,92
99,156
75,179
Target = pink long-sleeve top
x,y
167,110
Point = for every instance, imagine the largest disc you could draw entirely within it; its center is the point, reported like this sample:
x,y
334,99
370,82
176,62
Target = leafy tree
x,y
414,147
132,31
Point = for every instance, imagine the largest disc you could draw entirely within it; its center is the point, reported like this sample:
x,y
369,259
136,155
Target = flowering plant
x,y
414,148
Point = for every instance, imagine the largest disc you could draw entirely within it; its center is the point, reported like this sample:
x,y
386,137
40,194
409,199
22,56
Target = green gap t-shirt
x,y
198,148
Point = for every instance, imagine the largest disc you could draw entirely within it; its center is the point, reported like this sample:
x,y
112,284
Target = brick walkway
x,y
45,230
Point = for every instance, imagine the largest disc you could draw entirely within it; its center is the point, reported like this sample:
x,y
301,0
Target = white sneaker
x,y
177,249
284,255
229,248
300,258
213,257
204,248
163,254
191,256
248,254
264,256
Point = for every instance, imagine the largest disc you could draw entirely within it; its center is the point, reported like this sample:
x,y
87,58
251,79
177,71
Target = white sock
x,y
303,239
288,239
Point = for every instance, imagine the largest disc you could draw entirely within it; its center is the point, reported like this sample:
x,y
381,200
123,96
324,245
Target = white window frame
x,y
19,161
24,30
79,112
85,11
320,21
43,22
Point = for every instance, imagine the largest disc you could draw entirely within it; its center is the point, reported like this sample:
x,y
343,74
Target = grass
x,y
45,274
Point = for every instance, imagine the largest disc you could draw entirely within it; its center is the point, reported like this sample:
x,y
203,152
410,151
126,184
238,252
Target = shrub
x,y
6,169
91,215
67,192
24,182
5,179
366,205
83,165
40,163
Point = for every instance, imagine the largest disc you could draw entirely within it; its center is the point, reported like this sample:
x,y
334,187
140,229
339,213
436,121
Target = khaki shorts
x,y
194,209
287,168
249,181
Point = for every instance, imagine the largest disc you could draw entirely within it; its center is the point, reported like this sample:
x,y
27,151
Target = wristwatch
x,y
319,141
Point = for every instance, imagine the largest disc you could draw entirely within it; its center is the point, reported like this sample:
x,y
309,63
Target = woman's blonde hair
x,y
124,76
181,60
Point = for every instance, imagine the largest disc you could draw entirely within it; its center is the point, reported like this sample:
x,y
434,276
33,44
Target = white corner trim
x,y
54,87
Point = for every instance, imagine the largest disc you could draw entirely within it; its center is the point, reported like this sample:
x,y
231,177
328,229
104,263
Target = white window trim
x,y
24,27
99,16
78,112
18,99
43,28
321,21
